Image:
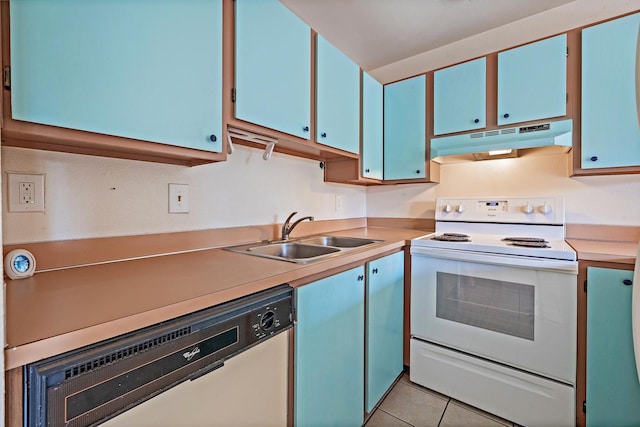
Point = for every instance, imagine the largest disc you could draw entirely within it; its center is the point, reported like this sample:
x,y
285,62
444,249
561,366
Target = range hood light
x,y
499,152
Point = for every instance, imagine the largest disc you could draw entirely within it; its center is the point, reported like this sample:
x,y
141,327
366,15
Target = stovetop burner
x,y
452,237
529,243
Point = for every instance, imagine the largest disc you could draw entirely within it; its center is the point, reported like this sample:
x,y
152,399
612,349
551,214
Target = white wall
x,y
613,200
89,196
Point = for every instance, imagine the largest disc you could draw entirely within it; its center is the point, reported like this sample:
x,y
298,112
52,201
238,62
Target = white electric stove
x,y
493,308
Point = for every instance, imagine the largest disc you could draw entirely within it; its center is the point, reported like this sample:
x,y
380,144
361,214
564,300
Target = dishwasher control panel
x,y
271,318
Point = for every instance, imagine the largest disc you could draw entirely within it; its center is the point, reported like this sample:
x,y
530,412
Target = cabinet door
x,y
272,67
532,81
610,112
329,351
139,69
337,98
613,390
460,97
372,132
404,129
385,301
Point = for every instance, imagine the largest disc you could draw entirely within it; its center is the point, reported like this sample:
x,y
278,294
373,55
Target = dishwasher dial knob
x,y
460,208
267,320
447,208
545,209
527,208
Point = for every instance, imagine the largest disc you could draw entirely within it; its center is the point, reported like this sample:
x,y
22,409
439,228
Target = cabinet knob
x,y
305,129
506,115
476,121
360,278
367,170
375,271
593,158
213,138
417,170
628,282
323,134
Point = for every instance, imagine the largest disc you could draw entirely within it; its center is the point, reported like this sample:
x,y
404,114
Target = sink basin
x,y
293,251
303,250
338,241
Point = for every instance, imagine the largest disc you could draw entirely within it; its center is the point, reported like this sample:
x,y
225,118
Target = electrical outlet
x,y
178,198
26,192
339,202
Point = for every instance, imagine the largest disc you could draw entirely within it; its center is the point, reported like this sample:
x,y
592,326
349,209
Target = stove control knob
x,y
460,208
527,208
447,208
545,209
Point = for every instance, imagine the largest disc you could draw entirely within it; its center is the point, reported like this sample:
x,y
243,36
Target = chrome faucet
x,y
287,229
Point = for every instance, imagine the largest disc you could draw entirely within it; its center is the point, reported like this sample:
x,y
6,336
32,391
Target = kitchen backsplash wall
x,y
88,196
612,200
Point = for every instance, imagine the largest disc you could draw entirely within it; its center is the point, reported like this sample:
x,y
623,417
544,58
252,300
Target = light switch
x,y
178,198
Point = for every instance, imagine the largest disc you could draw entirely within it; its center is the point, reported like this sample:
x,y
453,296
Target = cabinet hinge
x,y
584,406
233,94
567,97
6,78
585,286
567,51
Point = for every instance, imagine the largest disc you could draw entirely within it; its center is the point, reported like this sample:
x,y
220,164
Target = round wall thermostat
x,y
19,263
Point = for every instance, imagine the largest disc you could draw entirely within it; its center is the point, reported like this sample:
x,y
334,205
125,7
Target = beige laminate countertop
x,y
57,311
605,251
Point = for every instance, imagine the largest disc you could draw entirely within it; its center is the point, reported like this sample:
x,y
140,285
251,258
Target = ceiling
x,y
377,34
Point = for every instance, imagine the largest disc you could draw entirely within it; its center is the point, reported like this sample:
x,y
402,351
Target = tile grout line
x,y
399,419
443,412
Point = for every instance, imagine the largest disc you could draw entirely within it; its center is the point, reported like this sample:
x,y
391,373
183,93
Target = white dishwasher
x,y
223,366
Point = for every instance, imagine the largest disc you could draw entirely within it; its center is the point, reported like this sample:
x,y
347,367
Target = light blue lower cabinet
x,y
613,387
329,356
384,319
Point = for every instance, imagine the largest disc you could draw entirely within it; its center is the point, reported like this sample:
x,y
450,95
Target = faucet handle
x,y
289,217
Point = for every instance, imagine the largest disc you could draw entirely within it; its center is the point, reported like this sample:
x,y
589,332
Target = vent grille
x,y
477,135
508,131
492,133
107,359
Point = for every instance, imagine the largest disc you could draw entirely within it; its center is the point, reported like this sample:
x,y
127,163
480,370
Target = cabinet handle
x,y
360,278
367,170
375,271
506,115
213,138
476,121
305,129
417,170
323,134
593,158
628,282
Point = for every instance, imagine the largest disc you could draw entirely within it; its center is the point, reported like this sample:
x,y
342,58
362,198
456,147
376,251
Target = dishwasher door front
x,y
249,390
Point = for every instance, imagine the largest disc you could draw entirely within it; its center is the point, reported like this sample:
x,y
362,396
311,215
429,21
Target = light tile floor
x,y
409,404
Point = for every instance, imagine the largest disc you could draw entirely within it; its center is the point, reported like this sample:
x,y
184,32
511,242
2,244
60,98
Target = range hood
x,y
548,137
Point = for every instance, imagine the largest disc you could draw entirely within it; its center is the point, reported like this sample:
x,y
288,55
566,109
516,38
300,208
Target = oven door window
x,y
496,305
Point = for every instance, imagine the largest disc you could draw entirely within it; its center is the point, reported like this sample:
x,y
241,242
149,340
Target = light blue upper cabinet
x,y
460,97
532,81
610,112
613,389
139,69
272,67
372,131
385,299
337,98
405,129
329,351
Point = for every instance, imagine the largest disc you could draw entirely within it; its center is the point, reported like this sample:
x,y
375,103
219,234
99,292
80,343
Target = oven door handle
x,y
563,266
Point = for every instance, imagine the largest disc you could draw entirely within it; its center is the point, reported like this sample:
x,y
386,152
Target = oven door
x,y
514,310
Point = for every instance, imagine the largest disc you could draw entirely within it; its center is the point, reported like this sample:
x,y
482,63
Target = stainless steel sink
x,y
338,241
292,251
303,250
